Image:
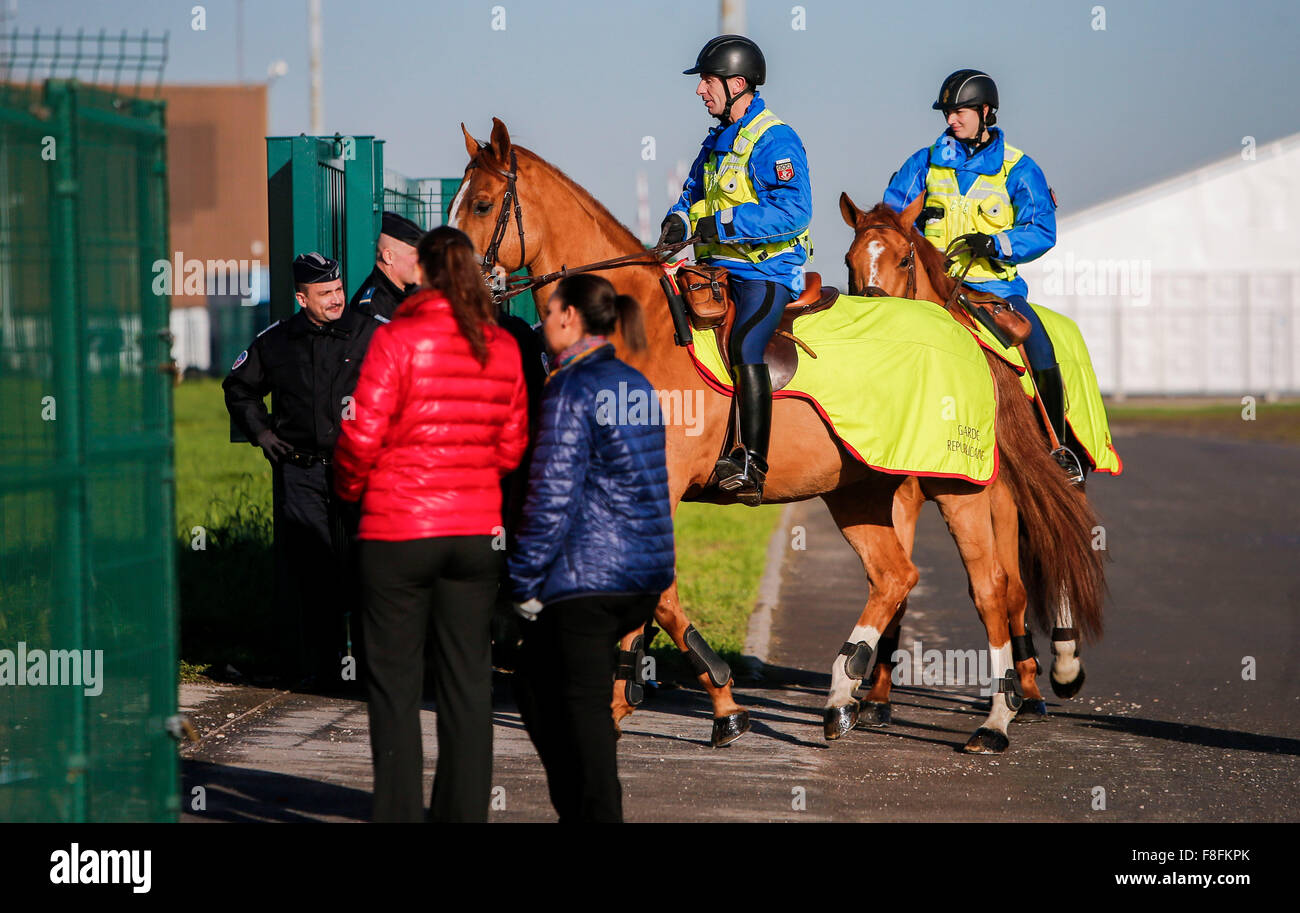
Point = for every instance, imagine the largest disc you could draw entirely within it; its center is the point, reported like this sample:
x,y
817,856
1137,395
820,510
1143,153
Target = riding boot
x,y
1051,390
745,468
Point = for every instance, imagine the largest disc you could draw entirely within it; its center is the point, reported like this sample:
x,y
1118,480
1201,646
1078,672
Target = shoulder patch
x,y
243,357
784,169
271,327
367,295
1053,195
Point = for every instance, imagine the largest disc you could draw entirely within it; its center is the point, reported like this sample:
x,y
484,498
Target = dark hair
x,y
602,309
451,266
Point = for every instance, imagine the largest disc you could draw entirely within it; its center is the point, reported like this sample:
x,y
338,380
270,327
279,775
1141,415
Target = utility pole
x,y
317,89
239,41
731,17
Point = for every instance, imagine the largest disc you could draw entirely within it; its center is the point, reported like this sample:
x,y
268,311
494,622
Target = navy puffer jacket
x,y
596,519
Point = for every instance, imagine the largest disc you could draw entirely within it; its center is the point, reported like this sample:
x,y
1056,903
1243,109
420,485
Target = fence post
x,y
67,343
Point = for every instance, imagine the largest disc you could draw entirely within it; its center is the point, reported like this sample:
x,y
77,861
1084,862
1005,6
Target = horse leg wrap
x,y
630,666
857,659
1063,634
704,661
1022,648
1009,685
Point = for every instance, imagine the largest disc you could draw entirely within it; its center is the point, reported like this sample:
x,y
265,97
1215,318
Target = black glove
x,y
672,230
274,448
707,229
985,246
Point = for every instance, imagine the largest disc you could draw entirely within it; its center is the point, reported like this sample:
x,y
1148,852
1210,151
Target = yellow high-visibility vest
x,y
985,208
727,184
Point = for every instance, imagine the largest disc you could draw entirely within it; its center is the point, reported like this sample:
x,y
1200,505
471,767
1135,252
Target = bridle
x,y
504,290
503,217
873,291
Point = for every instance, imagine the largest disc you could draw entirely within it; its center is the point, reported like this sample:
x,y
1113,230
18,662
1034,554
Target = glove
x,y
528,610
672,230
274,448
707,229
985,246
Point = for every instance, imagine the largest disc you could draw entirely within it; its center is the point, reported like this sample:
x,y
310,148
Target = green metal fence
x,y
328,194
88,630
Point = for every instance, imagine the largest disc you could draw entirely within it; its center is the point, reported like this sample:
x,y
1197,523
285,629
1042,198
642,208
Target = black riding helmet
x,y
727,56
970,89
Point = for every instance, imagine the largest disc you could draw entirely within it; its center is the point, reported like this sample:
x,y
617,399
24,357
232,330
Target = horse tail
x,y
1057,558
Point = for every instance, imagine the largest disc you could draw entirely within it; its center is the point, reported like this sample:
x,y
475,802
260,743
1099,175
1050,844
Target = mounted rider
x,y
748,202
976,184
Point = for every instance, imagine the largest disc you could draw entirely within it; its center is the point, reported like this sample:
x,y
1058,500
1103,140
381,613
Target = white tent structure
x,y
1190,286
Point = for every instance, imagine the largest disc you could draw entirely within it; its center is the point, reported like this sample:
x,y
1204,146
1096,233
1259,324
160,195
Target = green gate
x,y
88,625
328,194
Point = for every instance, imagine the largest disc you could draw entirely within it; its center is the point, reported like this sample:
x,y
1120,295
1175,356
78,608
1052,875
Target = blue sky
x,y
1166,86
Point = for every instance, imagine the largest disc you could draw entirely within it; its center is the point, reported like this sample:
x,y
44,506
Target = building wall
x,y
216,162
1190,286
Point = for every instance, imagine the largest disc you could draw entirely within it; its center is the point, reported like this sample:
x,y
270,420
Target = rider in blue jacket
x,y
979,186
748,202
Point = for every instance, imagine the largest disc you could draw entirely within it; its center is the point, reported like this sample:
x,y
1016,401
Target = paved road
x,y
1204,538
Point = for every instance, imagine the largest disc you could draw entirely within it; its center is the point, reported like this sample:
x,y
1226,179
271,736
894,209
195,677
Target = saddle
x,y
709,307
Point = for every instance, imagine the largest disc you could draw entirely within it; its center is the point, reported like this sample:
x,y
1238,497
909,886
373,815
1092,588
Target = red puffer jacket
x,y
434,431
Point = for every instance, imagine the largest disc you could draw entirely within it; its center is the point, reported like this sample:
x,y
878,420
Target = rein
x,y
503,291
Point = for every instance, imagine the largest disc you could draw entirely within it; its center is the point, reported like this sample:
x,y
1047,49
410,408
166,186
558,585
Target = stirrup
x,y
743,473
1066,459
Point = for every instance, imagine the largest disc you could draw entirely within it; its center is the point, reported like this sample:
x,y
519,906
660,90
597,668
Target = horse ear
x,y
849,211
472,146
500,142
913,212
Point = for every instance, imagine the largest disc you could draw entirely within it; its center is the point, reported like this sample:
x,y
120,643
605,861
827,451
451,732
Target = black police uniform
x,y
309,370
378,296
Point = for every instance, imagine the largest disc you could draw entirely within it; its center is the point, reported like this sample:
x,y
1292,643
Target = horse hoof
x,y
1032,711
987,741
875,715
1067,690
840,720
726,729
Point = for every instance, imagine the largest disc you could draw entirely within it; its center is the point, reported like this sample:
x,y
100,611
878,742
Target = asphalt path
x,y
1204,541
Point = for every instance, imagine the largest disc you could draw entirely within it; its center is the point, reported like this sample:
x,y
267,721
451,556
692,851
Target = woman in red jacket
x,y
441,415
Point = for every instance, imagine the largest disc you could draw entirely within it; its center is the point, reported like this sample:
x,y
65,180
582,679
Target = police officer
x,y
978,185
310,364
395,274
749,202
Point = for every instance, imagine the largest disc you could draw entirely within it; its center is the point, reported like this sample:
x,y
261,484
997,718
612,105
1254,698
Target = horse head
x,y
490,206
886,250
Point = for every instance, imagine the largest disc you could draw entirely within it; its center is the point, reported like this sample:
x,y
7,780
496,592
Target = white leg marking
x,y
999,714
1065,662
841,685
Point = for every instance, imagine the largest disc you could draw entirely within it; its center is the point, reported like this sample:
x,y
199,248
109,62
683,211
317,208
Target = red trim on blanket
x,y
725,390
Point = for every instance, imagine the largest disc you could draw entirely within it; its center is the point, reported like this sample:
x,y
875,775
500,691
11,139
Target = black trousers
x,y
564,685
319,572
450,585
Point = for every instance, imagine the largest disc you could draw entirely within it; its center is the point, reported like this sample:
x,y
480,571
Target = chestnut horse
x,y
890,255
552,222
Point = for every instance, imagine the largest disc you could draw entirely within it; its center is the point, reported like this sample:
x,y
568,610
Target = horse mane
x,y
620,233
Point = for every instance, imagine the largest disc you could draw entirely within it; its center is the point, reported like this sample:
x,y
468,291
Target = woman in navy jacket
x,y
595,545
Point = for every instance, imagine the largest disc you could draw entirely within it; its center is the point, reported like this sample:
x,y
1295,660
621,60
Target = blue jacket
x,y
783,210
1034,233
596,519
